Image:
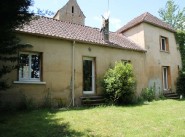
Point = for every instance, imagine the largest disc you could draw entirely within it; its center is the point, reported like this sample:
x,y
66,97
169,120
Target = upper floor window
x,y
72,9
164,44
29,66
125,61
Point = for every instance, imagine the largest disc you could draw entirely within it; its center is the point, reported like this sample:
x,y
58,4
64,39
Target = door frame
x,y
93,75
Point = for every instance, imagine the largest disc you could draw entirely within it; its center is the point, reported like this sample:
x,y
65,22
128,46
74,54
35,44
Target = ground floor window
x,y
166,78
29,66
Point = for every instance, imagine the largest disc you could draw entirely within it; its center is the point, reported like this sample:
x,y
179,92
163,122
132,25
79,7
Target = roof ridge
x,y
148,18
144,16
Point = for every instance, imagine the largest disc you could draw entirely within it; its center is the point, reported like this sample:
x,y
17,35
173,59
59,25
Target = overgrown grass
x,y
158,118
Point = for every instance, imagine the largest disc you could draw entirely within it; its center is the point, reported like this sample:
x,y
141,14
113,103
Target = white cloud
x,y
115,23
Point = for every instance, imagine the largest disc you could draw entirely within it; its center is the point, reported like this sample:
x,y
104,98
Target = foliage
x,y
148,94
119,84
180,37
13,15
180,86
42,12
172,15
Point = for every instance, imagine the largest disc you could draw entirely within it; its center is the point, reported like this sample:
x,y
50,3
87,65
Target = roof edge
x,y
87,42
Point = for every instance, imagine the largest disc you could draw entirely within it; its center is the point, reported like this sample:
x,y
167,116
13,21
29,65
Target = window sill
x,y
164,51
30,82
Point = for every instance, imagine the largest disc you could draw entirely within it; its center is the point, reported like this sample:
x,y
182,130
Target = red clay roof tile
x,y
147,18
65,30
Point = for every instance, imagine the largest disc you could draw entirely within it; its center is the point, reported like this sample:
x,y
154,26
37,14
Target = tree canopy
x,y
173,15
14,13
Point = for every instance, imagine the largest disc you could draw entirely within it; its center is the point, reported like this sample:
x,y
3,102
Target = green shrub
x,y
148,94
119,84
180,85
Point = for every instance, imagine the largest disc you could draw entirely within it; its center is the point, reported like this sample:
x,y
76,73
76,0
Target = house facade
x,y
68,59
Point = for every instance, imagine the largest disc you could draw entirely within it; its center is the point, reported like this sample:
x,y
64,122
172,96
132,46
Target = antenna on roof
x,y
107,13
105,25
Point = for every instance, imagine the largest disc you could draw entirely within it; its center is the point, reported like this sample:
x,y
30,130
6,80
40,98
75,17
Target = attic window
x,y
72,9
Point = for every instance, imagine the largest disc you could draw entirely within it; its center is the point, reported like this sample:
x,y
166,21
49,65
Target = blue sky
x,y
121,11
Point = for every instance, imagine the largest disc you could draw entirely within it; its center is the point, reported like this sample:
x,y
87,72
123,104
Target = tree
x,y
172,15
14,13
180,37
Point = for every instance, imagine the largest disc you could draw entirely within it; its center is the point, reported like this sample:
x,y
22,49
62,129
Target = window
x,y
29,66
88,75
166,78
164,44
72,9
125,61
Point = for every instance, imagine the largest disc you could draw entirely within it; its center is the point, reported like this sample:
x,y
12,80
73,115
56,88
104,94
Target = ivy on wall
x,y
180,37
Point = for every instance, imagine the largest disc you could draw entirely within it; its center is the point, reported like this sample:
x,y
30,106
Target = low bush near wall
x,y
119,84
180,85
148,94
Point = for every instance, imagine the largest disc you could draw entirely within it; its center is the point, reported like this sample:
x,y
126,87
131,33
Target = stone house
x,y
69,59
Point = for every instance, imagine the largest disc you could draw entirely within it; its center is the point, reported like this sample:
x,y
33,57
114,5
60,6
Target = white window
x,y
166,78
29,66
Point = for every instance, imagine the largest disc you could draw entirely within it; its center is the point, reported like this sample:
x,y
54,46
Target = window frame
x,y
166,46
166,78
29,79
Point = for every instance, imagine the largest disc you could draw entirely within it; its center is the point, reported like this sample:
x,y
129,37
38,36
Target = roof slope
x,y
147,18
49,27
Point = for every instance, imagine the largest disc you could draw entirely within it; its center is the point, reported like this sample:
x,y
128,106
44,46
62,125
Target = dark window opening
x,y
72,9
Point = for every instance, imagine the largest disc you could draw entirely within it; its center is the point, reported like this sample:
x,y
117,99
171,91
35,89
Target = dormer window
x,y
164,44
72,9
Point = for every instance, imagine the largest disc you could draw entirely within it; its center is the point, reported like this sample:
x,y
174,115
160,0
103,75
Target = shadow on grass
x,y
39,123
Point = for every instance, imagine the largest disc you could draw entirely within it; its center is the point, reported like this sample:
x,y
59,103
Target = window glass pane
x,y
163,44
35,66
165,73
87,75
24,66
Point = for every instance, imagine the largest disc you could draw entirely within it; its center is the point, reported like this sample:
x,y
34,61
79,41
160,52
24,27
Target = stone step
x,y
92,100
171,95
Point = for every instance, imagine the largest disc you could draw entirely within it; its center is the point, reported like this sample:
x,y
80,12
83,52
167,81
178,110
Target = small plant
x,y
148,94
26,103
119,84
47,102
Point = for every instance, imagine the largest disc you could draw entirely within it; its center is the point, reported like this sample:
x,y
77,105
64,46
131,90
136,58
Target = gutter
x,y
73,73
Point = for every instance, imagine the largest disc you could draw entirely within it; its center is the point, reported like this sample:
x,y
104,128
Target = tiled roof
x,y
49,27
147,18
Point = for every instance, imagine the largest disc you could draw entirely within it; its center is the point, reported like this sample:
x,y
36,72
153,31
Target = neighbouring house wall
x,y
136,34
57,68
156,59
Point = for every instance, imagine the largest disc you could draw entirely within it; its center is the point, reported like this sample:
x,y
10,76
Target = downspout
x,y
73,73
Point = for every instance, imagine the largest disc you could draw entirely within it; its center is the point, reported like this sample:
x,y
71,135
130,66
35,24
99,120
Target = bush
x,y
119,84
180,85
148,94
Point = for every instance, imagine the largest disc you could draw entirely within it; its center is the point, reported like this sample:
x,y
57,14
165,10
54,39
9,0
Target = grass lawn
x,y
156,119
